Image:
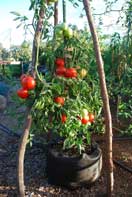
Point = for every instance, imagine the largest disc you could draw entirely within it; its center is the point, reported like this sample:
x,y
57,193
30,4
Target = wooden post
x,y
104,93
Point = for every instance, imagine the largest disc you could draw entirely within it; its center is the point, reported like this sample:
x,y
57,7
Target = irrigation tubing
x,y
8,131
122,138
116,139
122,166
13,134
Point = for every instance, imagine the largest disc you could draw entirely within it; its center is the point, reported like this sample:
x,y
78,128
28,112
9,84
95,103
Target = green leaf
x,y
18,25
17,18
15,13
32,5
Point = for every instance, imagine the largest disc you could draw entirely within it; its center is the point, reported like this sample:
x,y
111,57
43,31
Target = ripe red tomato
x,y
22,93
60,100
28,83
91,117
63,118
60,62
71,73
60,71
85,120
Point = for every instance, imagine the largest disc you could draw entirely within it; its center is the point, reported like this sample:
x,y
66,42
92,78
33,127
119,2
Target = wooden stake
x,y
104,93
24,138
55,13
21,153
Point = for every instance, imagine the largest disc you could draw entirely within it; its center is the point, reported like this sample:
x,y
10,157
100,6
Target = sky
x,y
10,35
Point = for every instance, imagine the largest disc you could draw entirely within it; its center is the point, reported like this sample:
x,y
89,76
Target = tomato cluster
x,y
86,117
89,118
28,83
62,71
64,30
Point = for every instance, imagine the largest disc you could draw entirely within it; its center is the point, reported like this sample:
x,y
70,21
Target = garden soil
x,y
36,184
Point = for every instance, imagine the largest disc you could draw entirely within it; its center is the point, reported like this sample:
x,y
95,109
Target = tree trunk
x,y
24,138
106,107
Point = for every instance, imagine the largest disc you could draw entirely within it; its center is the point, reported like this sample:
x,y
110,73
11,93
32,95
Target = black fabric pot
x,y
64,170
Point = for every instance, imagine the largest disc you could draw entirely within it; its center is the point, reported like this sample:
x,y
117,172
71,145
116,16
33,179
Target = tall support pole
x,y
105,98
55,13
21,154
24,137
64,10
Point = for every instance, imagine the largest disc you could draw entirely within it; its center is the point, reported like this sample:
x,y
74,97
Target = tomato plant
x,y
69,111
68,93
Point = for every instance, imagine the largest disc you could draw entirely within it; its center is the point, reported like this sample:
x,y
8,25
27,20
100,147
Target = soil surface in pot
x,y
70,152
35,160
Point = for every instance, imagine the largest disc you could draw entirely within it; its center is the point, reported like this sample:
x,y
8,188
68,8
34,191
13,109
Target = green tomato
x,y
75,33
71,134
68,33
58,32
63,26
